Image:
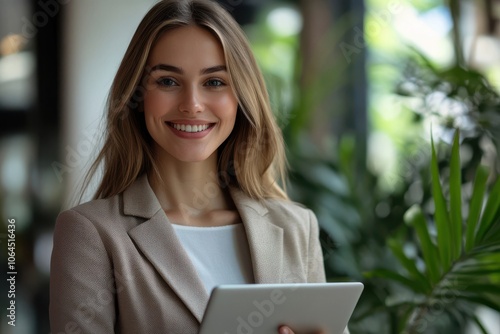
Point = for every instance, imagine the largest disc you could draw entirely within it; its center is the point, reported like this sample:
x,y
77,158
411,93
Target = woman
x,y
188,198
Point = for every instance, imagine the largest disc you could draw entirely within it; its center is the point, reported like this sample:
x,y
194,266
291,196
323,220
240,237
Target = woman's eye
x,y
166,82
214,83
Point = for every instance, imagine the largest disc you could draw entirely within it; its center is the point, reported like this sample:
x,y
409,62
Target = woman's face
x,y
189,107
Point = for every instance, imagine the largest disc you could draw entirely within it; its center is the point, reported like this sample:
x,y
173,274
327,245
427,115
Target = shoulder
x,y
282,212
288,209
96,217
298,223
291,216
96,209
136,200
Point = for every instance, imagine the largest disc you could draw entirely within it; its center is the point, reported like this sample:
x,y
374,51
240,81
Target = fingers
x,y
288,330
285,330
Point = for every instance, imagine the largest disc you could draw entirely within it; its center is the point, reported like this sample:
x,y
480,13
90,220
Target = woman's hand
x,y
288,330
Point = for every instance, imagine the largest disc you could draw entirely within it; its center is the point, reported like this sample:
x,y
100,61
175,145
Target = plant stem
x,y
421,310
414,322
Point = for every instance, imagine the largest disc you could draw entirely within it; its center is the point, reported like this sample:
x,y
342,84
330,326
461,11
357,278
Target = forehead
x,y
187,47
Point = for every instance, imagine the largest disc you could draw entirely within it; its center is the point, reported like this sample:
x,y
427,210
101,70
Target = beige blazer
x,y
118,267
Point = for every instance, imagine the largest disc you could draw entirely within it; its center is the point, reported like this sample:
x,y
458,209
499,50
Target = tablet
x,y
262,308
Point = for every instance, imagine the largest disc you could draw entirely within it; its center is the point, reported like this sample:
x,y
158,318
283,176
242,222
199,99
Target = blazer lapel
x,y
157,240
265,240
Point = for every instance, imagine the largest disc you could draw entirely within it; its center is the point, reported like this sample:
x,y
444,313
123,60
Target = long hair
x,y
253,156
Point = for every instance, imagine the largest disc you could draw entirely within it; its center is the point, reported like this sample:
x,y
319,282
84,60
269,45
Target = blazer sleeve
x,y
82,292
316,268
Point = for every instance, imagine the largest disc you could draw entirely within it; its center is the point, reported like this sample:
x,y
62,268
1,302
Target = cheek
x,y
227,106
155,104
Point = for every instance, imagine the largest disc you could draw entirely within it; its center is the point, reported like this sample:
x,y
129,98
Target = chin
x,y
192,158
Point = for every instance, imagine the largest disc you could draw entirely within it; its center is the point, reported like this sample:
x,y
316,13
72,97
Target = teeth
x,y
190,128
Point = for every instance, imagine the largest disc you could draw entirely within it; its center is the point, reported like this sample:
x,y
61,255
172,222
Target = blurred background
x,y
358,87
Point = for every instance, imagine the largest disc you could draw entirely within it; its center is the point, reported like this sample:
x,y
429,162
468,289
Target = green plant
x,y
456,269
455,97
355,213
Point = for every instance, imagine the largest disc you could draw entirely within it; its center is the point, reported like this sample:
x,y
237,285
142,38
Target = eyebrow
x,y
175,69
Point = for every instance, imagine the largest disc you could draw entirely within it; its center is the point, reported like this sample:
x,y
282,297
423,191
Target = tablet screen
x,y
262,308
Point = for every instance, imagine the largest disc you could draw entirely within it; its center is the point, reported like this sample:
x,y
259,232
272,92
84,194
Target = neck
x,y
189,187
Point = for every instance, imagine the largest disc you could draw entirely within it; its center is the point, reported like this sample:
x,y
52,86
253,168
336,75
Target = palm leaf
x,y
484,288
481,300
491,212
455,199
409,265
479,324
460,277
415,218
475,206
392,275
441,214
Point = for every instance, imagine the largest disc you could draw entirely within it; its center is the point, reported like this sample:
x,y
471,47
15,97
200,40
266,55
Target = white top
x,y
220,254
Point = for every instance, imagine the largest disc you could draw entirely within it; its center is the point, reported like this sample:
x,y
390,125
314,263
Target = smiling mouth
x,y
190,128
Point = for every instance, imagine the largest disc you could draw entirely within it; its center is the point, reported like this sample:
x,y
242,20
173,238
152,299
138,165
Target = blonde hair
x,y
253,156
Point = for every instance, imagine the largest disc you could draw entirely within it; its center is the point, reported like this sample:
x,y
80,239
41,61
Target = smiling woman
x,y
189,198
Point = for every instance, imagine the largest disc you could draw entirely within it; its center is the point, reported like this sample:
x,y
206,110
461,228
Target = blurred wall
x,y
95,37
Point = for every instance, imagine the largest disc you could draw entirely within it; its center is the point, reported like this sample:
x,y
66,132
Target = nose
x,y
191,101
